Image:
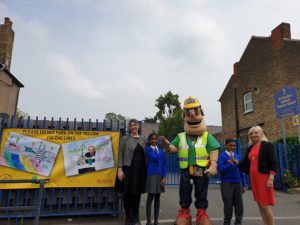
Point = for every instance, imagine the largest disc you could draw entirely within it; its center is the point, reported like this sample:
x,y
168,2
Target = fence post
x,y
281,167
39,204
297,162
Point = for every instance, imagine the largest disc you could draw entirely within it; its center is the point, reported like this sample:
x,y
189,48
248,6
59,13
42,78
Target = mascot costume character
x,y
198,154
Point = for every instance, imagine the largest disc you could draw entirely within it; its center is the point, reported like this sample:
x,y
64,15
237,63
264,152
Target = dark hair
x,y
150,136
228,140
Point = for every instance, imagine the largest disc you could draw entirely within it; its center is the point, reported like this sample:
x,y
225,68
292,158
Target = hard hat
x,y
191,102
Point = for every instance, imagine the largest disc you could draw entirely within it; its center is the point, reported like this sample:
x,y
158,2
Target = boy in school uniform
x,y
233,183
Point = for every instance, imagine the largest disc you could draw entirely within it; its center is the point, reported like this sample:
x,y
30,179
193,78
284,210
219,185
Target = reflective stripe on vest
x,y
200,151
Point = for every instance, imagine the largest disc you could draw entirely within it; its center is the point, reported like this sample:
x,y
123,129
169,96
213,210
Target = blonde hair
x,y
259,130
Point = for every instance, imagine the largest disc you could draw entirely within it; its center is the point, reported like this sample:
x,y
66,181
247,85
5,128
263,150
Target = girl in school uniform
x,y
156,177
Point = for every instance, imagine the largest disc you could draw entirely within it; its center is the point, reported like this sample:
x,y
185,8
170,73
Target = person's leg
x,y
148,208
238,203
127,207
135,207
156,208
185,189
266,214
227,196
201,187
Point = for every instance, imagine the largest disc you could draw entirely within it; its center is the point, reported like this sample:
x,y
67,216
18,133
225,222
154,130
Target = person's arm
x,y
164,164
212,148
122,147
270,182
169,147
223,164
273,164
164,167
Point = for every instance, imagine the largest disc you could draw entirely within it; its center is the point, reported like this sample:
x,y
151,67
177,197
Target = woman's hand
x,y
163,182
120,174
270,183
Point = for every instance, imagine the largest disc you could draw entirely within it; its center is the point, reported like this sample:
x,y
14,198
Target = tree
x,y
169,115
114,116
149,120
24,115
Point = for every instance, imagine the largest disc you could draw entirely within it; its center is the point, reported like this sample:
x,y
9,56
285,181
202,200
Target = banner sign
x,y
286,102
88,155
29,154
69,158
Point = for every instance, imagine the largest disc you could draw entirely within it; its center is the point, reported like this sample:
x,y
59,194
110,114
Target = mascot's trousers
x,y
186,187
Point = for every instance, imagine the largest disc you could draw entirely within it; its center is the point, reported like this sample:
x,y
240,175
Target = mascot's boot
x,y
184,217
202,218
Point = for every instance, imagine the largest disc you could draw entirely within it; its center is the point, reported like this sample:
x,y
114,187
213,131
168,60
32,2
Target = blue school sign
x,y
286,102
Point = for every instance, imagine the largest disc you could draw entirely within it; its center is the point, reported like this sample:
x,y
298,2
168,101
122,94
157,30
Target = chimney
x,y
281,31
6,42
8,22
235,69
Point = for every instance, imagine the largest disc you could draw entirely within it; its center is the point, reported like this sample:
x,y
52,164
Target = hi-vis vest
x,y
200,151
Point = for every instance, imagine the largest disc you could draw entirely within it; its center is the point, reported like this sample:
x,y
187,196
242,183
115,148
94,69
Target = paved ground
x,y
286,211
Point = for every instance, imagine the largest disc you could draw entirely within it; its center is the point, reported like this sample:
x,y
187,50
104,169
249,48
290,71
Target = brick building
x,y
267,64
9,84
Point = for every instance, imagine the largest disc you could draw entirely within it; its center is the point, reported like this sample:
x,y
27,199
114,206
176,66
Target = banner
x,y
69,158
88,155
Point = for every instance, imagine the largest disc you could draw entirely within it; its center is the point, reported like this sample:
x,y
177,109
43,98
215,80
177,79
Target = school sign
x,y
286,102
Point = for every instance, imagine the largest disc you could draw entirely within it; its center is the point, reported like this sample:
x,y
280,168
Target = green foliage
x,y
290,140
289,180
114,116
169,115
149,120
21,113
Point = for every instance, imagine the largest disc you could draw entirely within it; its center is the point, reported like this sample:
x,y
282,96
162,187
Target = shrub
x,y
290,140
289,180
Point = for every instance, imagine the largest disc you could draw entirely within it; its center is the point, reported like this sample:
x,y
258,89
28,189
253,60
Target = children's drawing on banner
x,y
29,154
88,155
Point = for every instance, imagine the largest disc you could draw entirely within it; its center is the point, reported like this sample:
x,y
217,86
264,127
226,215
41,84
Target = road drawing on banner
x,y
88,155
29,154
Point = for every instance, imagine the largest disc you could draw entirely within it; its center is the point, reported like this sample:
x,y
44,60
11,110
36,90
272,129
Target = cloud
x,y
72,78
79,2
132,85
196,38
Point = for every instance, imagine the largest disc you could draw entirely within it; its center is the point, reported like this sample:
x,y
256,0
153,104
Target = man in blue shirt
x,y
233,183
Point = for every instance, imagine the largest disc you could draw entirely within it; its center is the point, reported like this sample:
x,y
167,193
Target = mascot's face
x,y
193,121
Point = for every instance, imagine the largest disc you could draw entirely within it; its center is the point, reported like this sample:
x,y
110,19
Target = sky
x,y
85,58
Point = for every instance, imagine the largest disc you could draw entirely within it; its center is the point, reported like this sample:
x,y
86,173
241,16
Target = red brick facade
x,y
267,64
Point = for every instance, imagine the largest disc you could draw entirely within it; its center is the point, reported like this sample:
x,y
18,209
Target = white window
x,y
248,102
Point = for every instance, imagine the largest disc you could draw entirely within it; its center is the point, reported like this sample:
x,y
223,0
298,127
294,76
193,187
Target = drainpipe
x,y
236,115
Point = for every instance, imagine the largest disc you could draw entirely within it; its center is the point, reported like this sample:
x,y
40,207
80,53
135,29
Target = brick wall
x,y
6,42
262,70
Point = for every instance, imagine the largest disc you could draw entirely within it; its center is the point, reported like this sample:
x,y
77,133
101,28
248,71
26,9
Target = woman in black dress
x,y
132,171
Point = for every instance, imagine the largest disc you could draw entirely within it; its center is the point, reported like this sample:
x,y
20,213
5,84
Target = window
x,y
248,102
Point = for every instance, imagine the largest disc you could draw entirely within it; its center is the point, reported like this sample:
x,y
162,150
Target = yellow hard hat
x,y
191,102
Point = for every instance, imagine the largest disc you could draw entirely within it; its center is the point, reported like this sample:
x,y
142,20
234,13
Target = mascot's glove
x,y
165,143
212,170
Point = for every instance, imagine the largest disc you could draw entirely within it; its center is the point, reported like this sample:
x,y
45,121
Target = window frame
x,y
246,102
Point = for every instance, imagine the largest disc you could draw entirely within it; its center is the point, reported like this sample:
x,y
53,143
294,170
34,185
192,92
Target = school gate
x,y
77,201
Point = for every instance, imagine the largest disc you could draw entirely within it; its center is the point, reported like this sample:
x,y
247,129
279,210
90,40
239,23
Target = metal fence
x,y
89,201
286,159
60,201
19,210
